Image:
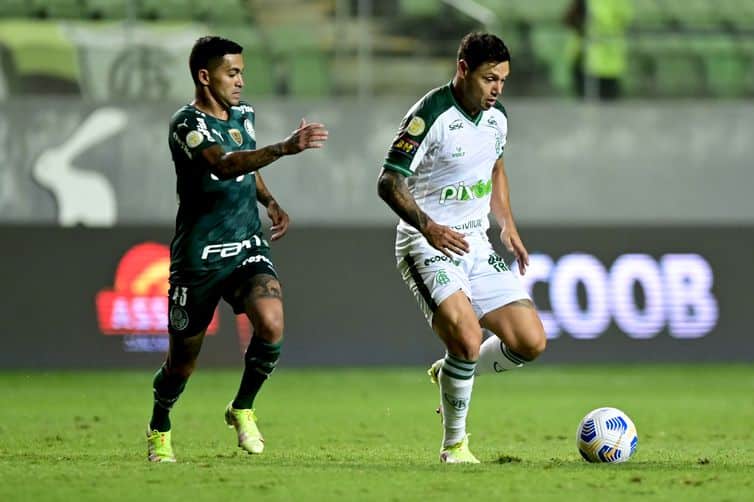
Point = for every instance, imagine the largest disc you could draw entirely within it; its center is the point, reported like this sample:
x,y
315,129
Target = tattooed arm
x,y
231,164
392,188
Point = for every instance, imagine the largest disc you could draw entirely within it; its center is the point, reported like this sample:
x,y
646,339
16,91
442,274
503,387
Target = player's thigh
x,y
519,326
456,324
255,290
503,305
183,353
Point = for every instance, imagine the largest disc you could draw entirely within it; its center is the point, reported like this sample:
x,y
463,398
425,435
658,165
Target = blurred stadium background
x,y
637,207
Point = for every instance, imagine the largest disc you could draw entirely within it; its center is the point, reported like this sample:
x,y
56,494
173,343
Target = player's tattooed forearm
x,y
394,191
263,195
266,286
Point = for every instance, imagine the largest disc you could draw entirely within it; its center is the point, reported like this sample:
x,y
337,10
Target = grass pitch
x,y
372,434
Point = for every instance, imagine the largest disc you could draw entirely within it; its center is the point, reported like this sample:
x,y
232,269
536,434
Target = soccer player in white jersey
x,y
443,174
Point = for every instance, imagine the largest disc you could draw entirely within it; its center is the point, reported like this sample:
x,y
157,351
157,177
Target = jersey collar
x,y
473,120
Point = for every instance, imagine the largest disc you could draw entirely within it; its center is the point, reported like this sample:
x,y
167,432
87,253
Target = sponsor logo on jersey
x,y
462,192
440,258
201,126
244,109
416,126
468,225
405,145
228,249
458,153
137,306
497,263
256,259
249,129
492,122
455,125
236,136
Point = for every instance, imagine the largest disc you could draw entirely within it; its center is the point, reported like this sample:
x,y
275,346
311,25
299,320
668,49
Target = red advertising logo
x,y
138,302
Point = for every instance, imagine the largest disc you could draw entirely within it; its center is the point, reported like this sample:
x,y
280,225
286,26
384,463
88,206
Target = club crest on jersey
x,y
178,318
236,136
249,129
416,126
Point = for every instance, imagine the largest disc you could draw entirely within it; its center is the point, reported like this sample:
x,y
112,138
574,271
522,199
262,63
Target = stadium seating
x,y
168,10
556,47
420,8
229,12
725,69
108,9
56,9
14,9
650,14
309,74
42,59
690,48
693,14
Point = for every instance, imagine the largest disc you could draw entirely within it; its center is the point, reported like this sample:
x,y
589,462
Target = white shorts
x,y
481,274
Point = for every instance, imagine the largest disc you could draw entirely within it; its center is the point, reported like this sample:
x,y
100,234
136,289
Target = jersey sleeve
x,y
502,131
189,134
410,144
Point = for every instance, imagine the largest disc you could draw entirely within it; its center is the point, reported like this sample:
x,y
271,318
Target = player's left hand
x,y
308,135
512,242
279,220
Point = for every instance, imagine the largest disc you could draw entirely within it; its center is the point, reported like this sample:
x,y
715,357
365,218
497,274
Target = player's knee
x,y
534,346
467,352
464,341
182,369
269,326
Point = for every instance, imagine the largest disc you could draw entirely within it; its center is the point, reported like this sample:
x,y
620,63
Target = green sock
x,y
260,359
167,389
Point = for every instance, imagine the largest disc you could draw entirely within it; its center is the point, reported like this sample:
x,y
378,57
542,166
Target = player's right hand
x,y
446,240
308,135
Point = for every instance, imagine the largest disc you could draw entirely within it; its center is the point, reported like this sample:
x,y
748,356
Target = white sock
x,y
456,382
495,357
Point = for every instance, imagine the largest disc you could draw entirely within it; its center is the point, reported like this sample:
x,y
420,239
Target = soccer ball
x,y
606,435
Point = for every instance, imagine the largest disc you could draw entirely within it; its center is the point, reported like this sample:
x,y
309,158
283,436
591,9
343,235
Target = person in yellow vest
x,y
601,59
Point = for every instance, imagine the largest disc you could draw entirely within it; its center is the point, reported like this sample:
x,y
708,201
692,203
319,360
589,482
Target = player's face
x,y
226,80
486,82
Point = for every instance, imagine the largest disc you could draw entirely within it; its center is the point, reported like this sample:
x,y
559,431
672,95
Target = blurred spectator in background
x,y
601,58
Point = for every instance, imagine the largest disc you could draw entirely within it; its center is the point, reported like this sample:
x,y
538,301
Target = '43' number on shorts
x,y
180,294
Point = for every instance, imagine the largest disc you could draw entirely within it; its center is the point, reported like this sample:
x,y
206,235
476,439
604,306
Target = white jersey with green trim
x,y
447,157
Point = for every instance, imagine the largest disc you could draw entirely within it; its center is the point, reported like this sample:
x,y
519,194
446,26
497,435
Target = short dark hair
x,y
207,50
479,48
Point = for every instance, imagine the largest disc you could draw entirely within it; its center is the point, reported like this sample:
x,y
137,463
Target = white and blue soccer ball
x,y
606,435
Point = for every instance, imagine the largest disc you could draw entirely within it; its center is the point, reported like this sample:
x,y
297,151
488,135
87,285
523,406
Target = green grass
x,y
373,435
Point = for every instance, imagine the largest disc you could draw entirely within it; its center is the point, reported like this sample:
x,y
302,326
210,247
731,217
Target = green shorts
x,y
193,298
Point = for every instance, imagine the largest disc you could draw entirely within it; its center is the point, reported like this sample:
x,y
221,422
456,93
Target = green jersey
x,y
217,224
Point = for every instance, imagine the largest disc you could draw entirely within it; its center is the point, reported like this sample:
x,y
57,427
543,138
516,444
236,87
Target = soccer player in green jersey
x,y
443,174
219,250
